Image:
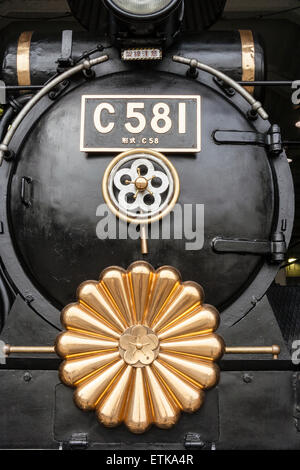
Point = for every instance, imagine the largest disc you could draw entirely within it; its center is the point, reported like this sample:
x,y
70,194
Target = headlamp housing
x,y
142,9
138,23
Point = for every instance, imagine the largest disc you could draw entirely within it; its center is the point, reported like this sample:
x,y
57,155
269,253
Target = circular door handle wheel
x,y
132,195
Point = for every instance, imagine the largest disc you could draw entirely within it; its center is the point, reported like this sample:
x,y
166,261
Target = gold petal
x,y
203,319
146,356
94,296
110,411
71,343
152,341
164,409
166,281
189,396
78,317
131,356
127,342
75,370
90,392
139,330
140,279
188,297
116,284
208,346
138,416
204,374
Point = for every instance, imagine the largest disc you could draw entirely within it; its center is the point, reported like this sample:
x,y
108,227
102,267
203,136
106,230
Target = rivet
x,y
247,378
27,377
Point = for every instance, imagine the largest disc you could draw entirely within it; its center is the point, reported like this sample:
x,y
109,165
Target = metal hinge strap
x,y
78,441
276,247
193,441
271,140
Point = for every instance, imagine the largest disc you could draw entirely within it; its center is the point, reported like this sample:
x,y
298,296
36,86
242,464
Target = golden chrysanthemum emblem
x,y
140,346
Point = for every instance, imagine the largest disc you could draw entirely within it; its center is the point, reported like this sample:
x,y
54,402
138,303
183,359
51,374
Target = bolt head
x,y
27,377
247,378
141,183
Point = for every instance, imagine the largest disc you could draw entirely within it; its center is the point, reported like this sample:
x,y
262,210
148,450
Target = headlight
x,y
142,7
137,23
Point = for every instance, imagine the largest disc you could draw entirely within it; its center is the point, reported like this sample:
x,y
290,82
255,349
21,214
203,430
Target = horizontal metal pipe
x,y
291,143
274,350
28,349
267,83
283,83
20,88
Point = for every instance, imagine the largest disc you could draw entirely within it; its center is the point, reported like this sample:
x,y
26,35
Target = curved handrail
x,y
256,106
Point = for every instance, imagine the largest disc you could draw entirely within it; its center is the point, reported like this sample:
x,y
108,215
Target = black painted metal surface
x,y
58,230
46,48
285,301
202,14
70,219
49,245
253,407
34,400
91,15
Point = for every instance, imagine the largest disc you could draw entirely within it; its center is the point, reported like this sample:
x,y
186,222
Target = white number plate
x,y
113,123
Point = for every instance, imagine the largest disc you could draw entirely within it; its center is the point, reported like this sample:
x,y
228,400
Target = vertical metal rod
x,y
144,242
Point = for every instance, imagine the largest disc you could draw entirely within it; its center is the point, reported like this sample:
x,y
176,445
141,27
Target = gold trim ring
x,y
23,58
146,220
248,57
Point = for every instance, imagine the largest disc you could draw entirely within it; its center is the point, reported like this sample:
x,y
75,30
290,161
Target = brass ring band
x,y
248,58
147,220
23,58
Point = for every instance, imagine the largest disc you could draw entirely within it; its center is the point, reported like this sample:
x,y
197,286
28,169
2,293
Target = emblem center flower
x,y
139,346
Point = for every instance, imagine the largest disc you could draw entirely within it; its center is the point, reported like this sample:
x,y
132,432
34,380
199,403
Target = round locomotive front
x,y
63,231
143,191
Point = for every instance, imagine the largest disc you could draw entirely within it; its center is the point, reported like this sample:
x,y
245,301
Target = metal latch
x,y
276,247
193,440
272,140
2,92
78,441
26,191
65,60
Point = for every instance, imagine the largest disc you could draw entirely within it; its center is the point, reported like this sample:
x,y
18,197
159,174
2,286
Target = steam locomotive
x,y
141,150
